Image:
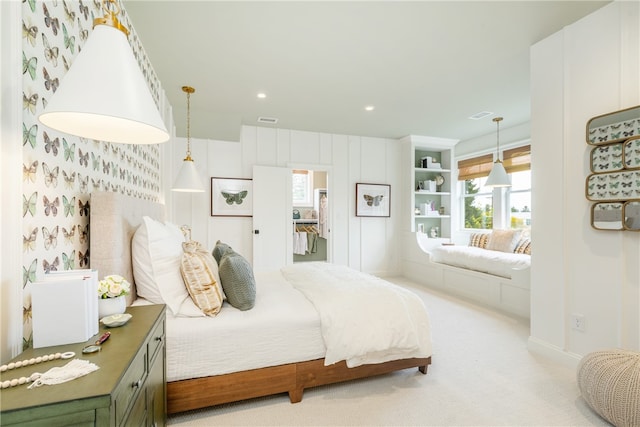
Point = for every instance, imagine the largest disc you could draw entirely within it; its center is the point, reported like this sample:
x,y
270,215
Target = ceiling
x,y
426,66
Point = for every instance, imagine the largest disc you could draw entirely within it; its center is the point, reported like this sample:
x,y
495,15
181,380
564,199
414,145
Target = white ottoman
x,y
609,381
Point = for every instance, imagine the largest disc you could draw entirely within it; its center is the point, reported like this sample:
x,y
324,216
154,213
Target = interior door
x,y
272,218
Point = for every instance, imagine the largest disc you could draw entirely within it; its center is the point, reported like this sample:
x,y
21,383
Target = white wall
x,y
590,68
367,244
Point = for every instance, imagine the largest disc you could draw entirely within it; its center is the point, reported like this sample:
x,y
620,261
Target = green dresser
x,y
129,389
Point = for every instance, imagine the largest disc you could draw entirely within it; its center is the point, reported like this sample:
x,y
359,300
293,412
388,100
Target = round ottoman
x,y
609,381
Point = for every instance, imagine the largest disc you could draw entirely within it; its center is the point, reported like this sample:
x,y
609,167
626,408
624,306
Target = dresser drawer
x,y
138,415
156,342
130,386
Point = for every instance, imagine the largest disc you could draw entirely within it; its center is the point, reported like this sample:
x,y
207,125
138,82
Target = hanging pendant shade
x,y
498,176
104,95
188,179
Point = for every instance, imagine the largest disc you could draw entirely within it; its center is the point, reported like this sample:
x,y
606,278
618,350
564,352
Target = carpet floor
x,y
481,375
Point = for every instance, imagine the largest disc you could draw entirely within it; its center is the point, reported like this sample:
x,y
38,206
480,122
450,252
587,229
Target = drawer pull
x,y
158,338
137,384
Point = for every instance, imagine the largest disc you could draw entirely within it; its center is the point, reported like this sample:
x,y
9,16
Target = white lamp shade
x,y
498,176
188,179
104,95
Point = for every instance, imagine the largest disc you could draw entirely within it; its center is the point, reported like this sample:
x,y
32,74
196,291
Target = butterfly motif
x,y
84,10
29,135
50,237
30,33
603,138
30,102
69,42
29,274
69,179
51,266
84,34
83,208
29,173
68,261
32,4
373,200
65,63
69,14
232,196
616,127
627,193
51,146
84,183
615,135
51,208
69,150
29,242
29,65
29,205
49,83
626,184
69,235
601,186
628,133
84,233
50,53
50,175
604,166
84,258
106,167
53,23
114,170
44,102
96,183
69,206
614,193
629,124
83,158
604,129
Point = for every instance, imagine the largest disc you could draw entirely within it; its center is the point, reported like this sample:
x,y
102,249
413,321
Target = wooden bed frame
x,y
292,378
117,216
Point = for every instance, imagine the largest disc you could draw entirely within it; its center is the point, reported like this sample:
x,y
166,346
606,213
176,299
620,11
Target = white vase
x,y
109,306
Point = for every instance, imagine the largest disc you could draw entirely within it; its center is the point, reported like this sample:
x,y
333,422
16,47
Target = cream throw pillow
x,y
156,252
200,273
503,240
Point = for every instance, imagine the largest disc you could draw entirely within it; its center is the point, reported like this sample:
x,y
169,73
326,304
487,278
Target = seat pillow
x,y
200,273
156,252
503,240
236,276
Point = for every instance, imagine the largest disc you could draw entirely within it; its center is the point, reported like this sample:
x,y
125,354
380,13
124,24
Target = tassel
x,y
61,374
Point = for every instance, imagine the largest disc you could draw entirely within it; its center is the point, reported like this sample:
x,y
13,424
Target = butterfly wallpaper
x,y
60,171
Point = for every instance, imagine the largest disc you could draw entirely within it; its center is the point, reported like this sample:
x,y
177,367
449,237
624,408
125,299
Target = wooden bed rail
x,y
293,378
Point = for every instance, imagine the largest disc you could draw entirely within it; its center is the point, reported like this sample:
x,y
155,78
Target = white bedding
x,y
282,327
482,260
364,319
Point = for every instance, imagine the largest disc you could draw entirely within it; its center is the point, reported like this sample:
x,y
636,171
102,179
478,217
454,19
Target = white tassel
x,y
61,374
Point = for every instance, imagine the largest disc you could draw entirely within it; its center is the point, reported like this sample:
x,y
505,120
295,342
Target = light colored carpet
x,y
481,375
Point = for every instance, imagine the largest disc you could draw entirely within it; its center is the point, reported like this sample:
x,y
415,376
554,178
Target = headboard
x,y
113,221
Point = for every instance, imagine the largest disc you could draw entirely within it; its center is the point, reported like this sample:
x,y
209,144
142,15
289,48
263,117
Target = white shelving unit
x,y
439,200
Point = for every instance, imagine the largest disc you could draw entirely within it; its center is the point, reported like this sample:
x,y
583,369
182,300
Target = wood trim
x,y
293,378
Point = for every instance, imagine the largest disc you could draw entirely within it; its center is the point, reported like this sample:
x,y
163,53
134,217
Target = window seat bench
x,y
497,279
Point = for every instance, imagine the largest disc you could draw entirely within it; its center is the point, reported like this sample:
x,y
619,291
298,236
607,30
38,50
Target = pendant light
x,y
104,95
188,179
498,176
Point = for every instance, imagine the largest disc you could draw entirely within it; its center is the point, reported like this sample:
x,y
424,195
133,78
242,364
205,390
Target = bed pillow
x,y
236,276
503,240
200,274
156,252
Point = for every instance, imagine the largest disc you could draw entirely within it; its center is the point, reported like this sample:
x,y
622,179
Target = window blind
x,y
517,159
476,167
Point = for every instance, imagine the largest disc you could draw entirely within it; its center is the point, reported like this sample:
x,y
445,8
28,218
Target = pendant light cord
x,y
498,120
189,90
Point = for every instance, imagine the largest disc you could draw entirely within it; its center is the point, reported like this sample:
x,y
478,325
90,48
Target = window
x,y
483,207
302,187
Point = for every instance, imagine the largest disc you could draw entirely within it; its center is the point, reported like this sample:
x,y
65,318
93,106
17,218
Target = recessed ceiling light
x,y
369,108
262,95
481,115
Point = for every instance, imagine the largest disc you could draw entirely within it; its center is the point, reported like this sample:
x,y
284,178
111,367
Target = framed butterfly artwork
x,y
373,200
231,197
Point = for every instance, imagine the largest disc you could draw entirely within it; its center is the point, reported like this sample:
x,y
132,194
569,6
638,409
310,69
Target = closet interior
x,y
310,216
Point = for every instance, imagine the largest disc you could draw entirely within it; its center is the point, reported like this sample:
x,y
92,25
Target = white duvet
x,y
364,319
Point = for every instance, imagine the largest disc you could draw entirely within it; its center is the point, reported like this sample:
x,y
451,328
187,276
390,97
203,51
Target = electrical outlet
x,y
578,322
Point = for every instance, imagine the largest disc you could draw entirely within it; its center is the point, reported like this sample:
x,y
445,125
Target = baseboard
x,y
553,352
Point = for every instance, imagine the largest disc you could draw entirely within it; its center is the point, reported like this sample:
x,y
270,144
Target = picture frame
x,y
373,200
231,197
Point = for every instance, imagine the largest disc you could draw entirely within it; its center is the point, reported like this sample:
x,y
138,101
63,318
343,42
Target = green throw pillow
x,y
236,277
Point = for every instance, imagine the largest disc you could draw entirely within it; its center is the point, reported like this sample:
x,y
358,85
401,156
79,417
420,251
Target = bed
x,y
283,344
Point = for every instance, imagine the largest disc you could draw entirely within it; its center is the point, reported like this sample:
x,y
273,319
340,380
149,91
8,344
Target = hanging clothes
x,y
300,243
323,217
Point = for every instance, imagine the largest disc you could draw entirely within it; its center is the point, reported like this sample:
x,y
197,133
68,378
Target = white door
x,y
272,218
